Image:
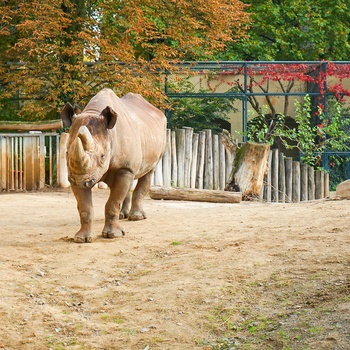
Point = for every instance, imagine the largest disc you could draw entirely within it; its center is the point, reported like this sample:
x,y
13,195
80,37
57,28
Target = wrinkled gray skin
x,y
115,140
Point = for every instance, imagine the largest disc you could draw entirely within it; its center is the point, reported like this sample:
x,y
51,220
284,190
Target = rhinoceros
x,y
114,140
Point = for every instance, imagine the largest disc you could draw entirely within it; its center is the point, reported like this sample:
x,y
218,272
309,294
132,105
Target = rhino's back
x,y
106,97
140,132
145,111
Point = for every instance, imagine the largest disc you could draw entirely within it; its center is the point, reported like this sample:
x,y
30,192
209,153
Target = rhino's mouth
x,y
90,183
82,182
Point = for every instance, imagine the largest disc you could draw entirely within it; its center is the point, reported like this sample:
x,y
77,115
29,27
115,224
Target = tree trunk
x,y
191,194
249,168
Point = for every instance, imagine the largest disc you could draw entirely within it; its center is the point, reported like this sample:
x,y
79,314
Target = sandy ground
x,y
192,276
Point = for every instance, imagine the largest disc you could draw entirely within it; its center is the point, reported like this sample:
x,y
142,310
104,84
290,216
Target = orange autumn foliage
x,y
52,52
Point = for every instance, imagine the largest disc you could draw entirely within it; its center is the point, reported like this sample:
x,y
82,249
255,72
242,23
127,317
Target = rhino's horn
x,y
79,161
86,138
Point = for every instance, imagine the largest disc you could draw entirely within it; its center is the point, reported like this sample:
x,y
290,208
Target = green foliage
x,y
339,170
263,127
294,30
201,113
305,135
332,133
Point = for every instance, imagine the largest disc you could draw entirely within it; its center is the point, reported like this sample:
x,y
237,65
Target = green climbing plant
x,y
331,133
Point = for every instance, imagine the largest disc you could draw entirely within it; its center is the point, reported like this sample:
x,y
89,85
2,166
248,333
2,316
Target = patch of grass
x,y
279,313
112,318
128,331
59,344
315,331
105,317
118,320
175,243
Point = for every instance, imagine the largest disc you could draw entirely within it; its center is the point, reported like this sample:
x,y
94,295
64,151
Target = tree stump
x,y
248,170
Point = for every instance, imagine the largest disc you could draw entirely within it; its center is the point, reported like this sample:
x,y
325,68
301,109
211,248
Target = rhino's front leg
x,y
120,188
86,213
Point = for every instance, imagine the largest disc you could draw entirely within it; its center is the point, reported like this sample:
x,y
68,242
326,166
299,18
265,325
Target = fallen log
x,y
31,126
190,194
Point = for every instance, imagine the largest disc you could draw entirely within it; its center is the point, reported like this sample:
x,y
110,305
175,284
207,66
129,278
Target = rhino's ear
x,y
67,114
110,117
76,108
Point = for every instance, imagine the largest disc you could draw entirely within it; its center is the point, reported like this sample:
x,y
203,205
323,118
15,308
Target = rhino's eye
x,y
102,158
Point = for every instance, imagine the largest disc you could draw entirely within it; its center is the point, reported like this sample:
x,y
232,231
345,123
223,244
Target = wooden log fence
x,y
202,161
191,160
295,182
28,162
194,160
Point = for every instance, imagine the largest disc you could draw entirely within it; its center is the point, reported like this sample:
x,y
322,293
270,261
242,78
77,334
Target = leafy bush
x,y
331,134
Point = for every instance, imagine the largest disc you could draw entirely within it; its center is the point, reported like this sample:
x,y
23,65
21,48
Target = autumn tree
x,y
56,51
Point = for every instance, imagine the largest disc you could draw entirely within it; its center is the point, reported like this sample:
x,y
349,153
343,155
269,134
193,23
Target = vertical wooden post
x,y
8,163
274,176
51,164
216,162
102,185
201,158
21,170
42,154
319,184
173,159
167,160
30,150
289,178
229,157
158,173
303,182
222,164
180,145
12,164
57,144
296,182
17,174
188,156
326,184
2,163
310,183
282,179
268,176
194,160
24,163
208,167
63,170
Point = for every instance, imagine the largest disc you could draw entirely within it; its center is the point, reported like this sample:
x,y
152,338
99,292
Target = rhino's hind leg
x,y
142,187
124,212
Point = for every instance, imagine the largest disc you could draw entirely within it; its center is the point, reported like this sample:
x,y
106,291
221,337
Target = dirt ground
x,y
192,276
